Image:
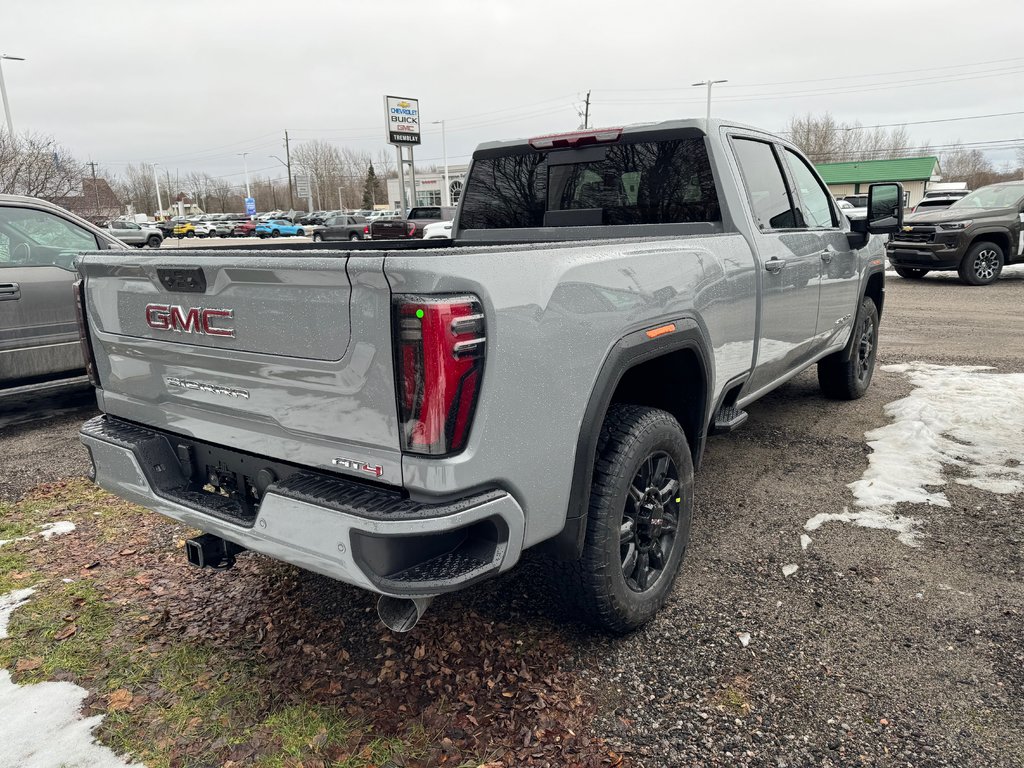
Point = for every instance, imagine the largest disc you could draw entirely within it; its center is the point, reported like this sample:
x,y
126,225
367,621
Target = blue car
x,y
278,227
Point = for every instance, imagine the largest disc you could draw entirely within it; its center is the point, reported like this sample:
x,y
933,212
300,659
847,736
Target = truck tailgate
x,y
280,356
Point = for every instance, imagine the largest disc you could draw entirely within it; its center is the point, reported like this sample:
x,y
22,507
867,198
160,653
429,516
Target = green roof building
x,y
852,178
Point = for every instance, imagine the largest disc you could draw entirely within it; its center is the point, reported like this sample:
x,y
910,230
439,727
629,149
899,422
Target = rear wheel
x,y
354,236
638,522
846,375
982,264
911,273
190,234
276,233
300,232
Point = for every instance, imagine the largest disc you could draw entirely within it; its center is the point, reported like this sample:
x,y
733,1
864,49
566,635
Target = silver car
x,y
135,234
38,327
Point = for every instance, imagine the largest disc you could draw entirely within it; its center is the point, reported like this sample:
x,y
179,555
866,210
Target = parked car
x,y
410,420
278,227
934,203
135,234
342,228
206,228
244,228
38,245
184,229
412,226
439,230
853,206
977,235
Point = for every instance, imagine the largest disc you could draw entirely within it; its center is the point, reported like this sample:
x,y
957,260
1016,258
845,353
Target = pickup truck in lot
x,y
976,235
410,228
409,418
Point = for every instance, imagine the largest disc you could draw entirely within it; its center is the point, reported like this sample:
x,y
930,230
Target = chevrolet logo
x,y
908,229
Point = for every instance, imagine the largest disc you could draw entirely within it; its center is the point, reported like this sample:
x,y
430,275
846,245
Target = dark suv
x,y
977,235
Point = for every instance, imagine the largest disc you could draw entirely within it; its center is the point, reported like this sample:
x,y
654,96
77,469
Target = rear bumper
x,y
359,534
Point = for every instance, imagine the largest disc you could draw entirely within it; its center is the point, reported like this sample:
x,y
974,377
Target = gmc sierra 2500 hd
x,y
410,419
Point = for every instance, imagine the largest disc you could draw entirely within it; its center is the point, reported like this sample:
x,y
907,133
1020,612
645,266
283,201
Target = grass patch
x,y
12,566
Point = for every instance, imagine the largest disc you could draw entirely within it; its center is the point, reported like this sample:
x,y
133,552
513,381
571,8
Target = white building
x,y
430,187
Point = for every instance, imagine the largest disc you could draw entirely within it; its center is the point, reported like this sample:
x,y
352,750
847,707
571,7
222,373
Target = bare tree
x,y
36,165
824,140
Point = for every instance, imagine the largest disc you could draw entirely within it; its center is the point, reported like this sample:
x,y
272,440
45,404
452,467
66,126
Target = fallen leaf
x,y
67,632
127,552
119,699
32,662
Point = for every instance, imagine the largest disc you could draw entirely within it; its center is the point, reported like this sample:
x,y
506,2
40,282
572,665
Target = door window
x,y
814,200
36,238
766,188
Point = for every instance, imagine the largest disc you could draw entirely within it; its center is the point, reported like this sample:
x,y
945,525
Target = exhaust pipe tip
x,y
400,614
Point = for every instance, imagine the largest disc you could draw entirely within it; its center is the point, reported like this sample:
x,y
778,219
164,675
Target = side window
x,y
34,238
766,188
813,198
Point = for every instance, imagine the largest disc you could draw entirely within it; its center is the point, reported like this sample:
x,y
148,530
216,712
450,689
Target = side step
x,y
728,418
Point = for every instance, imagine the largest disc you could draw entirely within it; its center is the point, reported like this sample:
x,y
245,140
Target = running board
x,y
727,419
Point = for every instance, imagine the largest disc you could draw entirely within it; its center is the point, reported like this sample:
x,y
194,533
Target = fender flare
x,y
628,352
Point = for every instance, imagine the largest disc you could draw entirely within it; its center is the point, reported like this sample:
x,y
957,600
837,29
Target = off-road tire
x,y
982,264
846,375
911,273
595,586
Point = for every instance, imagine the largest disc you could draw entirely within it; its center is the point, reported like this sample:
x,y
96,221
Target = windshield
x,y
996,196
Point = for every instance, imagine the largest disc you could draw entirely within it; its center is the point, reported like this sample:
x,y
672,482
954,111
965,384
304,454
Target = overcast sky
x,y
190,84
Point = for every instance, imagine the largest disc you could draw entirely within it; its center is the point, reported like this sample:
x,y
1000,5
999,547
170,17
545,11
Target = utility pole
x,y
95,188
709,83
586,112
3,93
288,157
245,164
156,183
446,199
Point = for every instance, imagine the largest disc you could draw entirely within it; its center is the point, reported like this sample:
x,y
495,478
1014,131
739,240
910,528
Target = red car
x,y
244,229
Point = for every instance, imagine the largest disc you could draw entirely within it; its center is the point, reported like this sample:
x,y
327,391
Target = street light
x,y
447,199
156,182
709,83
245,164
3,92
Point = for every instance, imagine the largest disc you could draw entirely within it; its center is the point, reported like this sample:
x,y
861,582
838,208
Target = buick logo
x,y
197,320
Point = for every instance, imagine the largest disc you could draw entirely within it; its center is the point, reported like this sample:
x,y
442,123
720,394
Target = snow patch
x,y
8,604
41,726
47,531
744,638
805,541
956,416
789,570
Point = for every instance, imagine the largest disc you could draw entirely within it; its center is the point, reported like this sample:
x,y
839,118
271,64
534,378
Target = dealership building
x,y
429,187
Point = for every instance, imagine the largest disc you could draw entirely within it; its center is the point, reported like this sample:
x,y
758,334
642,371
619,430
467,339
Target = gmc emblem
x,y
171,317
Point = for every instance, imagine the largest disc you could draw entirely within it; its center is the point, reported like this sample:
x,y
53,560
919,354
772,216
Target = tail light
x,y
83,333
576,138
439,351
410,228
366,229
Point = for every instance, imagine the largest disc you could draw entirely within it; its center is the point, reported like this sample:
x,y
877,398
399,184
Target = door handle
x,y
775,265
826,256
10,291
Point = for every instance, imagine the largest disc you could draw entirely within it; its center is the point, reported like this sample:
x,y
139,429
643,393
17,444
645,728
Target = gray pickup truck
x,y
409,419
133,233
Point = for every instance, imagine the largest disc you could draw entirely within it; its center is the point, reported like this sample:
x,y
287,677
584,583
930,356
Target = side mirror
x,y
885,208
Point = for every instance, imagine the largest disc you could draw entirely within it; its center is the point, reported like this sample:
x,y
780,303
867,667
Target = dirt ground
x,y
872,653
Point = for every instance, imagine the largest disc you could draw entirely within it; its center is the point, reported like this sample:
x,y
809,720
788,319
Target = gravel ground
x,y
872,653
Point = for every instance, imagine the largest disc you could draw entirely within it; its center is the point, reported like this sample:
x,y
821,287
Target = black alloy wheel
x,y
649,522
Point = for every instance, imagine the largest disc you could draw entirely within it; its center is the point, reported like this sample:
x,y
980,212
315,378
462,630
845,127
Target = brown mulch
x,y
477,680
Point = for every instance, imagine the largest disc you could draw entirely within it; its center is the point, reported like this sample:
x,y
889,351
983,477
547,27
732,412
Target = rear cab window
x,y
634,181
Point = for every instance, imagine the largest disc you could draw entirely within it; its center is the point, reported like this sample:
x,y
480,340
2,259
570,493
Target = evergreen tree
x,y
371,189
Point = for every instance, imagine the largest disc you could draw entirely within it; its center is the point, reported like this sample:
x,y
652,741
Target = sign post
x,y
250,206
402,118
304,189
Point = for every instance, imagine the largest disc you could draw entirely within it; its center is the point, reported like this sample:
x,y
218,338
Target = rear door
x,y
38,329
790,264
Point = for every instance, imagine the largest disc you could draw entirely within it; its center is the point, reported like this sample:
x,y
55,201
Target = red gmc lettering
x,y
204,322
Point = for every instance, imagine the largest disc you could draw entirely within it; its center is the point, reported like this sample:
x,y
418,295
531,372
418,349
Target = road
x,y
874,651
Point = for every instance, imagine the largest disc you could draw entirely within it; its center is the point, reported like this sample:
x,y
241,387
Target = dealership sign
x,y
403,120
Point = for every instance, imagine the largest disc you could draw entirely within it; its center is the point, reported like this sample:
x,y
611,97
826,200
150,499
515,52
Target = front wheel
x,y
911,273
317,237
275,233
982,264
190,234
846,375
638,522
354,237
